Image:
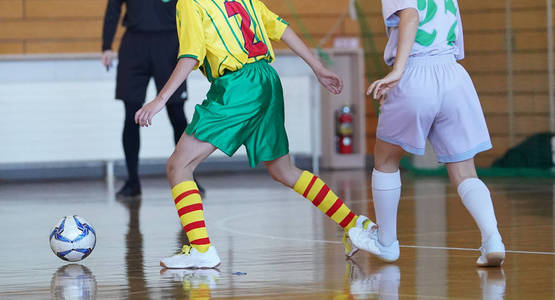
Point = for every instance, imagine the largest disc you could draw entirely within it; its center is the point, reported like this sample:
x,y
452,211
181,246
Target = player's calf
x,y
283,171
476,198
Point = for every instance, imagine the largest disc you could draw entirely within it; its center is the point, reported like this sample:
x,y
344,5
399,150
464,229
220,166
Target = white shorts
x,y
435,99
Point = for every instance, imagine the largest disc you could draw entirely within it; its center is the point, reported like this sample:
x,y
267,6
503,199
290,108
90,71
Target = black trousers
x,y
143,56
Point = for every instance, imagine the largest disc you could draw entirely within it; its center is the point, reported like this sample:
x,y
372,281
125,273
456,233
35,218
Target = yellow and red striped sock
x,y
314,189
189,208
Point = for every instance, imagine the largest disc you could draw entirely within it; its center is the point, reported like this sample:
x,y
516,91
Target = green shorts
x,y
244,107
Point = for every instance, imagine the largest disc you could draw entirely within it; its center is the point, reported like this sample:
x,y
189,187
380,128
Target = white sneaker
x,y
365,236
493,252
351,249
191,258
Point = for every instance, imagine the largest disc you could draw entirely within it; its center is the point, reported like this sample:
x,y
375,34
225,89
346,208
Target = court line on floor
x,y
294,196
222,225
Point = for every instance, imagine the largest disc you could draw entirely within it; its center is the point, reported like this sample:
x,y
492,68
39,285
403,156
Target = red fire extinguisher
x,y
344,134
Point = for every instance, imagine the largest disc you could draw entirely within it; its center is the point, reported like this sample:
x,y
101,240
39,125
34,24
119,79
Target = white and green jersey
x,y
439,33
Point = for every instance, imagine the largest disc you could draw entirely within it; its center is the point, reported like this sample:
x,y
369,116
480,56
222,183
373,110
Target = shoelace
x,y
186,249
345,239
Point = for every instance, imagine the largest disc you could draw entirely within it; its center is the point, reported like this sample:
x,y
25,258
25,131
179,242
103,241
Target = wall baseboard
x,y
148,167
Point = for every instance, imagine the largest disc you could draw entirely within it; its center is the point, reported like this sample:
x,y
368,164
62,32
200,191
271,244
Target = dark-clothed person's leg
x,y
163,61
133,75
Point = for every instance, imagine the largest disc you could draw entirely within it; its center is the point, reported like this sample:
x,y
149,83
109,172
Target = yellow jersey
x,y
226,34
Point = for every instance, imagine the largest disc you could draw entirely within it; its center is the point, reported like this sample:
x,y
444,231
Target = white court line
x,y
222,225
472,249
278,196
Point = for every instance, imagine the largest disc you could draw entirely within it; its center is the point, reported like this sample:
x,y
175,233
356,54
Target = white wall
x,y
58,110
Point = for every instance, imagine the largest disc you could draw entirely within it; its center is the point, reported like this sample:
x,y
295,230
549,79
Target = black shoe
x,y
130,189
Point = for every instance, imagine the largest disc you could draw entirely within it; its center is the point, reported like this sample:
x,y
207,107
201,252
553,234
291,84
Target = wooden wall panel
x,y
50,29
533,103
308,7
62,46
63,26
11,48
11,9
54,9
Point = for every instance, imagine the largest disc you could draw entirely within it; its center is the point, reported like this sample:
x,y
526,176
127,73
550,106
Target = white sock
x,y
477,200
386,190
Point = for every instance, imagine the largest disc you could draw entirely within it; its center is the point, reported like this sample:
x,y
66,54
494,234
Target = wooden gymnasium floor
x,y
287,249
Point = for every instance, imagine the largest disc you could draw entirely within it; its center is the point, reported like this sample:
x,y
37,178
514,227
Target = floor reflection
x,y
281,243
134,259
192,284
73,281
383,282
492,282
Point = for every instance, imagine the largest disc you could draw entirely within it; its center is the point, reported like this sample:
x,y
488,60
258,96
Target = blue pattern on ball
x,y
85,229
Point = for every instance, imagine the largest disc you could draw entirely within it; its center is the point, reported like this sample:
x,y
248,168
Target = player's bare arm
x,y
331,81
184,67
408,26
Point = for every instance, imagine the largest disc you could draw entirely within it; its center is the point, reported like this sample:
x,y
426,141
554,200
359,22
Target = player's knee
x,y
387,164
460,171
286,176
277,175
170,167
176,163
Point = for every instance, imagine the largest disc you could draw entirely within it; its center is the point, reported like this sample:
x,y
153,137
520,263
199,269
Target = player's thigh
x,y
408,112
190,151
459,131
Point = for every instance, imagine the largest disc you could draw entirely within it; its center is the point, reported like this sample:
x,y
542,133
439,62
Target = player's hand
x,y
379,88
107,59
331,81
144,116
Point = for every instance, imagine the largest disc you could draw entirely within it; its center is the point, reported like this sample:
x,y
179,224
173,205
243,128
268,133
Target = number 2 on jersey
x,y
254,49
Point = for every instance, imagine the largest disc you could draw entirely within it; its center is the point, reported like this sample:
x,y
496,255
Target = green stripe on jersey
x,y
254,24
188,55
261,31
231,28
283,21
208,70
221,63
218,32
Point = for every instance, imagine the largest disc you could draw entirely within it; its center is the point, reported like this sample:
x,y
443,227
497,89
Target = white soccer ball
x,y
73,238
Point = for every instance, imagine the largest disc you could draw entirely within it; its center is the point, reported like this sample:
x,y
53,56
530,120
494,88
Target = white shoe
x,y
365,236
191,258
493,252
350,248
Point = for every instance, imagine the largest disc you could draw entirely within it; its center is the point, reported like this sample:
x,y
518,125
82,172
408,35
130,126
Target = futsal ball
x,y
73,238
